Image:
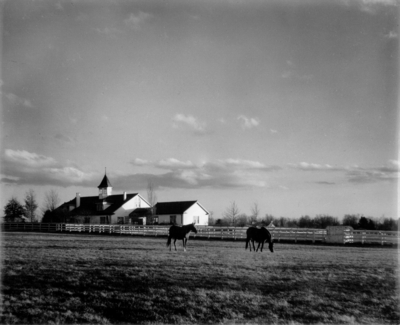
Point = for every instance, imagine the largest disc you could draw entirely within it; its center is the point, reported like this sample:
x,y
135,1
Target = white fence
x,y
347,236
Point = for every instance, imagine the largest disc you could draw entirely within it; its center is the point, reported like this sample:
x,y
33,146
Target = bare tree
x,y
211,220
151,194
255,211
51,201
30,205
232,213
152,198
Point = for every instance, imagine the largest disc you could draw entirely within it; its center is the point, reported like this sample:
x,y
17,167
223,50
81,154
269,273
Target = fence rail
x,y
233,233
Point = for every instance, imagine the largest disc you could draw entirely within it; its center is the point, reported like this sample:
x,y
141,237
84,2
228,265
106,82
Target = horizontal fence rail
x,y
232,233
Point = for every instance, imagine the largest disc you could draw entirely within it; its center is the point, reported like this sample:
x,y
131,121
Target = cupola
x,y
105,188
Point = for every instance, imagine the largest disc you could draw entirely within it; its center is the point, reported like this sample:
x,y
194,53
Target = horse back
x,y
258,234
176,232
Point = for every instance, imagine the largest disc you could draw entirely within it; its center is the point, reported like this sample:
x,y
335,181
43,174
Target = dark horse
x,y
176,232
260,235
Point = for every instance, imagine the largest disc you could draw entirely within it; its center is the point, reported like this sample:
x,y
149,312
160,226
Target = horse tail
x,y
169,241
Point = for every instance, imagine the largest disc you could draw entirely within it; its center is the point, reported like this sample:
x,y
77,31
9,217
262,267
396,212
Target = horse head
x,y
193,228
271,245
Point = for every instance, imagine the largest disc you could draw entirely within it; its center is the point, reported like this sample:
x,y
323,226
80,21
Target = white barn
x,y
181,213
105,208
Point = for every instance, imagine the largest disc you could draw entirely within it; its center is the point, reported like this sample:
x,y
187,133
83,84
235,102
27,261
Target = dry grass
x,y
58,279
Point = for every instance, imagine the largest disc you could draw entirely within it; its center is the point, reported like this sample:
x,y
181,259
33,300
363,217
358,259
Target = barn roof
x,y
178,207
88,204
140,212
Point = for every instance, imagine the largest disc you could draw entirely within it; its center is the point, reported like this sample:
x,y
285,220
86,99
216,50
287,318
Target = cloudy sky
x,y
288,104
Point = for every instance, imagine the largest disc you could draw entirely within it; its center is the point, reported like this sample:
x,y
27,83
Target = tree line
x,y
233,217
14,211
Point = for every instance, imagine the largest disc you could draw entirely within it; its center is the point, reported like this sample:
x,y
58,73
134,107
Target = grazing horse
x,y
176,232
260,235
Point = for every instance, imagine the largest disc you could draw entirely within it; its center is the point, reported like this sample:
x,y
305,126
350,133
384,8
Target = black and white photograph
x,y
199,162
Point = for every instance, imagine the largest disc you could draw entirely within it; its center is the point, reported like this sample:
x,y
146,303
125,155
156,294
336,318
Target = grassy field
x,y
58,279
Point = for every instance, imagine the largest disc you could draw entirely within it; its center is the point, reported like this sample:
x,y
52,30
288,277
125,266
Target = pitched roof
x,y
140,212
105,182
88,204
178,207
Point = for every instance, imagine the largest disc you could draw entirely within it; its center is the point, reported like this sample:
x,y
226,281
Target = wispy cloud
x,y
292,72
135,21
225,173
391,35
64,138
248,122
372,6
314,167
24,167
355,174
172,163
28,159
17,101
388,172
110,32
188,121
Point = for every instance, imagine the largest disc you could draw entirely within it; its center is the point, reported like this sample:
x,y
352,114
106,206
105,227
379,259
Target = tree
x,y
255,211
305,222
242,220
152,198
389,224
231,214
51,200
30,205
211,220
351,220
268,219
13,210
366,223
322,221
151,194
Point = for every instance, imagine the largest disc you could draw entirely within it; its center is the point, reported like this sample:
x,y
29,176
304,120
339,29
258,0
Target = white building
x,y
181,213
105,208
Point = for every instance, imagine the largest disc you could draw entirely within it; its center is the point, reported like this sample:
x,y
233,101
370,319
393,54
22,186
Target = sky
x,y
288,105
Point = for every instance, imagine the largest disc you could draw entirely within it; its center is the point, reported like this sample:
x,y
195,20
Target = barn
x,y
105,208
181,213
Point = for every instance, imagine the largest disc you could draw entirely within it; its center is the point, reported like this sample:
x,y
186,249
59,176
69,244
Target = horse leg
x,y
184,244
254,247
247,243
175,243
169,242
262,245
259,243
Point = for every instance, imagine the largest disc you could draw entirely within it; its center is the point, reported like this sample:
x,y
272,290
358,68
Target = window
x,y
196,219
102,220
87,220
120,220
172,219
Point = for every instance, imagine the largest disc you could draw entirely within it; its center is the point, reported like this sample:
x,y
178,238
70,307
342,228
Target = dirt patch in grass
x,y
92,279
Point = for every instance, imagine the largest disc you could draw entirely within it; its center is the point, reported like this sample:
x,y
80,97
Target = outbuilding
x,y
181,213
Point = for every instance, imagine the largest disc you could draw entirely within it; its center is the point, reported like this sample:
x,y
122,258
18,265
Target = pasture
x,y
67,278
